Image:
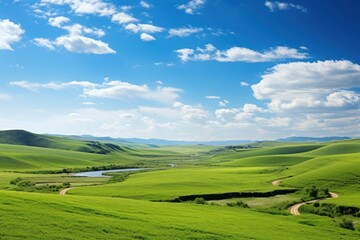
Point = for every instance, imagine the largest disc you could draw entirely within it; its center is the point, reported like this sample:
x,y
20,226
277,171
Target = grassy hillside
x,y
78,217
21,137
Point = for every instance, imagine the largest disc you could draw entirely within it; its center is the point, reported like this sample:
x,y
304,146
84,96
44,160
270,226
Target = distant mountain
x,y
21,137
312,139
153,142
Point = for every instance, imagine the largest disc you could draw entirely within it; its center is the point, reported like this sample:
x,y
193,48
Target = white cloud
x,y
80,7
74,41
192,6
145,4
9,33
310,85
44,42
244,84
123,18
143,28
184,31
223,103
146,37
81,44
58,21
239,54
119,90
185,54
212,97
191,113
281,6
52,85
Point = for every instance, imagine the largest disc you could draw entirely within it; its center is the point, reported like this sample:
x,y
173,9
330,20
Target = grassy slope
x,y
74,217
169,184
21,137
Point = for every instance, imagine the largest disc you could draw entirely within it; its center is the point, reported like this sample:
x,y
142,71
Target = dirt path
x,y
276,182
65,190
294,210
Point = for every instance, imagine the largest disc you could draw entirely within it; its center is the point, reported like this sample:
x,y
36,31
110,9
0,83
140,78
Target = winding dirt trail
x,y
65,190
294,210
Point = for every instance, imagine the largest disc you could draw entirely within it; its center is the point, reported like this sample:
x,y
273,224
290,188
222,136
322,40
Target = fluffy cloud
x,y
146,37
80,7
310,85
9,33
74,41
143,28
123,18
58,21
192,6
239,54
184,31
81,44
281,6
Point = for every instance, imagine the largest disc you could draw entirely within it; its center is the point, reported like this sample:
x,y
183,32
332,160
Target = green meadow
x,y
229,190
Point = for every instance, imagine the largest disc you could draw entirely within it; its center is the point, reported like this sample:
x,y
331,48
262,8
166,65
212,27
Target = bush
x,y
347,223
66,185
25,184
237,204
15,181
199,200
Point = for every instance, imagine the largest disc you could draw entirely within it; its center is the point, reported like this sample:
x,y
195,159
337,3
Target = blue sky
x,y
181,69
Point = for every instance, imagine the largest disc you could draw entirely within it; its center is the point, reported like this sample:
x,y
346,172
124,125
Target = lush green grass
x,y
172,183
42,216
268,160
123,211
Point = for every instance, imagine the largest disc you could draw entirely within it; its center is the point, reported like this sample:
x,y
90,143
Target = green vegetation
x,y
221,193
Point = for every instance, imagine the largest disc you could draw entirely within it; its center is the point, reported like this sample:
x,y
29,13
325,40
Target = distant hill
x,y
21,137
312,139
153,142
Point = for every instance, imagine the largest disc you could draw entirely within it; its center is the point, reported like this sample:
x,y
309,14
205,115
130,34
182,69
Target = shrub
x,y
199,200
15,181
347,223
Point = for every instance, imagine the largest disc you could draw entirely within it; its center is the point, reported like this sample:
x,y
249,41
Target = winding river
x,y
100,173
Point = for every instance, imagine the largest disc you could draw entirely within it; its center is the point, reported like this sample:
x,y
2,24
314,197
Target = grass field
x,y
123,207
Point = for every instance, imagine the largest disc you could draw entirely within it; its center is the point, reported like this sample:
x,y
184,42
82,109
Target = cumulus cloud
x,y
184,31
146,37
244,84
239,54
192,6
281,6
310,85
143,28
123,18
74,41
9,33
81,44
81,7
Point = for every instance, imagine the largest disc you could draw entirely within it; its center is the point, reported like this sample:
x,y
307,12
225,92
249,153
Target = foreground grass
x,y
43,216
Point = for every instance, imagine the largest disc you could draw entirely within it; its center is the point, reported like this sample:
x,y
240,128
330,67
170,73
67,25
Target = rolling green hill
x,y
21,137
